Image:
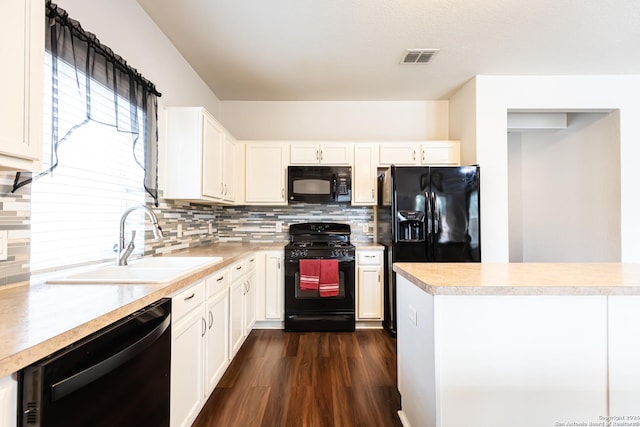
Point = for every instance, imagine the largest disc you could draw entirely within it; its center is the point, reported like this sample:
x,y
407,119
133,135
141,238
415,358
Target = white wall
x,y
462,122
336,120
564,192
127,29
495,95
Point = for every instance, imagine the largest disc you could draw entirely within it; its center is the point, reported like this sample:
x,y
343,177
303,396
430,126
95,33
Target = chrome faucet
x,y
123,253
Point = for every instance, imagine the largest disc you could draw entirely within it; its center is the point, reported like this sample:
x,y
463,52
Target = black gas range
x,y
307,309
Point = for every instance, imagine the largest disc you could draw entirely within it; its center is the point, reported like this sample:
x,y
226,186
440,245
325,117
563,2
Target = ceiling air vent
x,y
418,56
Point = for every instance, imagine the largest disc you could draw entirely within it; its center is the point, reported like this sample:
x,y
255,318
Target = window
x,y
100,150
76,208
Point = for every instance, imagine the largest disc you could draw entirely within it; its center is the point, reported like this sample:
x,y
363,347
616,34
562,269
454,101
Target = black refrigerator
x,y
426,214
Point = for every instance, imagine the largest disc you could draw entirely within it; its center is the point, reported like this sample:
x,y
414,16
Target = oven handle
x,y
340,260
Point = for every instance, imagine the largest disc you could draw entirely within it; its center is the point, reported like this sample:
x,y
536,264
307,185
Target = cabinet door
x,y
8,401
364,175
441,153
399,153
236,316
249,303
327,154
369,292
265,174
21,84
212,152
274,297
624,346
217,339
335,154
304,154
229,166
187,377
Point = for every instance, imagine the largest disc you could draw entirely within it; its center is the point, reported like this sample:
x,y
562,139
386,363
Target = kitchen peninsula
x,y
529,344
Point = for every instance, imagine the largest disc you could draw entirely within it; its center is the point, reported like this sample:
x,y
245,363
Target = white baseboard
x,y
403,419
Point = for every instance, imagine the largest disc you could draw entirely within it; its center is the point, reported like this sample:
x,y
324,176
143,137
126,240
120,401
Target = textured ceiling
x,y
351,49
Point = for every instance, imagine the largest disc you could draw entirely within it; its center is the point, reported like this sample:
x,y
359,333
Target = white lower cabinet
x,y
8,401
273,286
270,290
187,354
624,363
530,361
199,345
242,302
369,285
216,359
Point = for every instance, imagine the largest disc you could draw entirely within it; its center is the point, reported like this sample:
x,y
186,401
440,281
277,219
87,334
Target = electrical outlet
x,y
179,230
278,226
365,227
413,316
3,245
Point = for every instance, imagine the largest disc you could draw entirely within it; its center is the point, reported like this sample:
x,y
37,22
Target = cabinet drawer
x,y
251,262
370,258
187,300
237,270
216,282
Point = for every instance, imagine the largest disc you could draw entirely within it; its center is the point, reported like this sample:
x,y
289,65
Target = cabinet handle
x,y
190,296
317,154
204,326
321,155
278,263
372,193
369,256
252,260
239,267
222,188
282,191
211,313
219,279
414,154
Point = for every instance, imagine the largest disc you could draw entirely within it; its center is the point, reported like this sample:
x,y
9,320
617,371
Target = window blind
x,y
76,209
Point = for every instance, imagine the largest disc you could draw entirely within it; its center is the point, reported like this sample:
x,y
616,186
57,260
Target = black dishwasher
x,y
118,376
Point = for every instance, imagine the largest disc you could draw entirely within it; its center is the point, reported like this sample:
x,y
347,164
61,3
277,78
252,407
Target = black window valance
x,y
134,109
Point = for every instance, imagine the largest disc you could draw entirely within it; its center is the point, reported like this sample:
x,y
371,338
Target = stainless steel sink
x,y
154,270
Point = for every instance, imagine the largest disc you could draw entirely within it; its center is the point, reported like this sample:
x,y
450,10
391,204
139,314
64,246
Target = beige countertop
x,y
39,319
523,278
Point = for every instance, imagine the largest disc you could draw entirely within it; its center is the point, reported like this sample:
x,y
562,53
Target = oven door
x,y
320,313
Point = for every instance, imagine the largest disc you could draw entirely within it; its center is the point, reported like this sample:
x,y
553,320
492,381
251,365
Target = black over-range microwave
x,y
319,184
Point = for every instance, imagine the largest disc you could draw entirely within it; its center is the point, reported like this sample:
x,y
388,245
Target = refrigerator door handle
x,y
436,214
429,216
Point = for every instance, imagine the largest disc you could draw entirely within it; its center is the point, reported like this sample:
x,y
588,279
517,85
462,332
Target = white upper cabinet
x,y
365,167
399,153
320,153
440,153
266,167
21,84
420,153
201,157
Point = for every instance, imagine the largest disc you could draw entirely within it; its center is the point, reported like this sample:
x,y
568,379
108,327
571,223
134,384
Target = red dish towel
x,y
309,274
329,279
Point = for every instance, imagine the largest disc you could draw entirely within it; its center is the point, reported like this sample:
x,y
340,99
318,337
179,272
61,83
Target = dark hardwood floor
x,y
308,379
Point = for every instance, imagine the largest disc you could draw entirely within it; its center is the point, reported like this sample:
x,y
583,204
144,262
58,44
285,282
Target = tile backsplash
x,y
15,219
201,225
